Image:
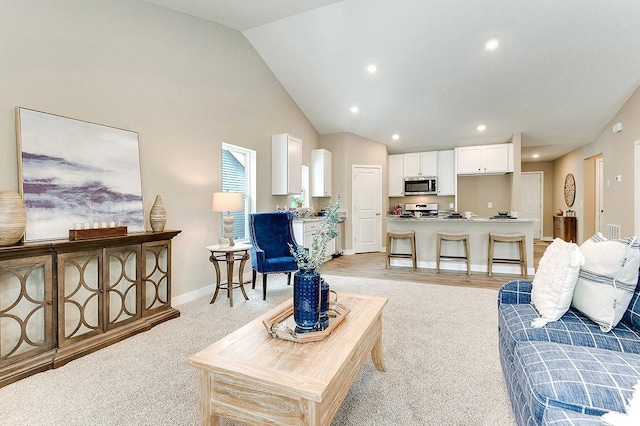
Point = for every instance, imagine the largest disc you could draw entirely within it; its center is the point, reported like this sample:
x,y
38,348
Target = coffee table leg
x,y
206,419
376,351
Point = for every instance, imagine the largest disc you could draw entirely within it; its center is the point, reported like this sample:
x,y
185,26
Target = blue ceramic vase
x,y
323,322
306,299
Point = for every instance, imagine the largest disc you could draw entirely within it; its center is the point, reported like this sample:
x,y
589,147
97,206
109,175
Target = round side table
x,y
229,254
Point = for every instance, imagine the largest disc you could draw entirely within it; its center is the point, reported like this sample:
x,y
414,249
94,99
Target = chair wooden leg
x,y
264,286
253,280
414,254
288,278
438,248
523,251
466,252
387,258
490,260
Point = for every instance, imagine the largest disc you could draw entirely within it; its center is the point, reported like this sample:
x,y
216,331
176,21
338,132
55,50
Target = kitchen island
x,y
426,231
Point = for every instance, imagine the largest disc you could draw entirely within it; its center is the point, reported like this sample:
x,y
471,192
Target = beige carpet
x,y
440,347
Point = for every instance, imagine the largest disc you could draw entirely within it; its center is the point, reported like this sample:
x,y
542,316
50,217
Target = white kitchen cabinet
x,y
395,175
303,230
421,163
482,159
321,169
286,164
446,172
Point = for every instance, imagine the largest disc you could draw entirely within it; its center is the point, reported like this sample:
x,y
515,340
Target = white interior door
x,y
367,208
531,200
599,194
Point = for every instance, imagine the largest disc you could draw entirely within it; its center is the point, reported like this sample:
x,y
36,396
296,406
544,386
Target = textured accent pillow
x,y
607,280
555,279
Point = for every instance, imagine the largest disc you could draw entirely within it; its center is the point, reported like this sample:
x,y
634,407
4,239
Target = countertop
x,y
463,219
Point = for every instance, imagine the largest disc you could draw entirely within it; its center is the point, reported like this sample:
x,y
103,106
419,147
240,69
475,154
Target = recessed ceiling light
x,y
355,109
395,136
482,128
372,68
492,44
535,156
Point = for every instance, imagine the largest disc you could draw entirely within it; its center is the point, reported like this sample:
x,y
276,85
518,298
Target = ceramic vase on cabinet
x,y
306,299
158,215
13,218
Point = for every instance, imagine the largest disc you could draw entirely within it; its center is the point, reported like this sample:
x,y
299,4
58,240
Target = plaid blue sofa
x,y
567,372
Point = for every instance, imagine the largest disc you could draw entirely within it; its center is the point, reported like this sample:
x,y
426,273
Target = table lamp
x,y
227,202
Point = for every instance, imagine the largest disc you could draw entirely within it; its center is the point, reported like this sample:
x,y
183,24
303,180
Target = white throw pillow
x,y
555,279
607,280
631,417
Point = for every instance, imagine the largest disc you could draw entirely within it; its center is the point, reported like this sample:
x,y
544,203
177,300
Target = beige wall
x,y
475,193
617,150
548,208
347,150
184,84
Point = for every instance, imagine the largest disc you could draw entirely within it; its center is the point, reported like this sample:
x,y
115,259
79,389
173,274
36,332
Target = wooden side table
x,y
229,255
565,227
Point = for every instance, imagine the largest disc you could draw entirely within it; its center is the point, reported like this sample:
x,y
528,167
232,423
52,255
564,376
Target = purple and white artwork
x,y
76,173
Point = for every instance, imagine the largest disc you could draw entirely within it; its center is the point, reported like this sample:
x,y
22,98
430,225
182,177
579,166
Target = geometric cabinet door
x,y
97,290
26,308
122,281
80,296
156,273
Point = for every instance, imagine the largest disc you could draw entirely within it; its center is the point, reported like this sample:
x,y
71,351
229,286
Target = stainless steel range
x,y
422,210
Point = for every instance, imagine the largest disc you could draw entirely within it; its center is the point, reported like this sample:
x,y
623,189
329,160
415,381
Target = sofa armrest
x,y
515,292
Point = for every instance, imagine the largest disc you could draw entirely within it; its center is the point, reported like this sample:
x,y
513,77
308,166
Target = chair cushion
x,y
577,378
573,328
555,279
279,264
607,280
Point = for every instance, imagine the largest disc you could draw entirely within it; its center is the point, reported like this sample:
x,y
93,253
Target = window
x,y
239,175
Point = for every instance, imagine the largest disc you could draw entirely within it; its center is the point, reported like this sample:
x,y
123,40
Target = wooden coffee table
x,y
252,377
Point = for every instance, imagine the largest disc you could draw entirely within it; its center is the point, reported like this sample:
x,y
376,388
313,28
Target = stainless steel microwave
x,y
420,185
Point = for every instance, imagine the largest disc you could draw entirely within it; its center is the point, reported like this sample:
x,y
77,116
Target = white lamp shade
x,y
227,202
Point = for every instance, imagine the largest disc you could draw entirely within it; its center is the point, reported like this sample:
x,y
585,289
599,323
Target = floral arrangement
x,y
313,257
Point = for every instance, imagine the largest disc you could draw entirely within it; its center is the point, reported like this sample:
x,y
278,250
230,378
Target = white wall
x,y
184,84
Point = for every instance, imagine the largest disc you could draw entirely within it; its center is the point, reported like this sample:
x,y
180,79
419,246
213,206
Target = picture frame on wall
x,y
75,173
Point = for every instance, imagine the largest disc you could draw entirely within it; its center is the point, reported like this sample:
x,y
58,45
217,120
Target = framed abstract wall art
x,y
76,173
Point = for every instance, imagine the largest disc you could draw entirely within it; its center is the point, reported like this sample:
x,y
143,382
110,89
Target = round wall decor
x,y
569,190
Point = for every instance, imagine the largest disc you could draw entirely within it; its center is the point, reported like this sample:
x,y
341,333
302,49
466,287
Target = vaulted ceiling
x,y
560,72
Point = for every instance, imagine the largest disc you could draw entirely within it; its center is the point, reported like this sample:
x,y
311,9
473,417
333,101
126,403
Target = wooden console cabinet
x,y
565,227
60,300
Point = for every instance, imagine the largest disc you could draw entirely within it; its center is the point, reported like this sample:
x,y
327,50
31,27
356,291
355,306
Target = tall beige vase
x,y
158,215
13,218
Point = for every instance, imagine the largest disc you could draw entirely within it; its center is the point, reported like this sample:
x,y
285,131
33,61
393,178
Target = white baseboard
x,y
201,292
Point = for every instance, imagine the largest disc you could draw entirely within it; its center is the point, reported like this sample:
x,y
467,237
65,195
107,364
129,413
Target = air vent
x,y
612,232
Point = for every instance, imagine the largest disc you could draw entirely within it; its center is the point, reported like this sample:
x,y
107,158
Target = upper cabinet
x,y
421,164
286,164
321,168
433,163
395,175
446,172
484,159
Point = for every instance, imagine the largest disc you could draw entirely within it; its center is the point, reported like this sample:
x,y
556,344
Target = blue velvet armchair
x,y
269,235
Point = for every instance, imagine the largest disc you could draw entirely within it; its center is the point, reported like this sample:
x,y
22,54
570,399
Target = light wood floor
x,y
371,265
